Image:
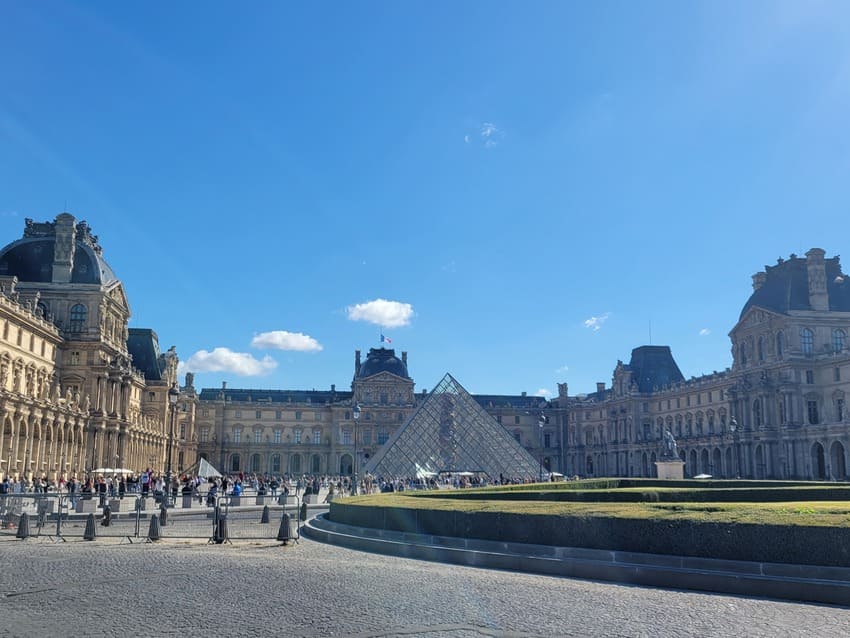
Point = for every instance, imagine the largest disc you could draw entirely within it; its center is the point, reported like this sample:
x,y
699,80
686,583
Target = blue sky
x,y
529,185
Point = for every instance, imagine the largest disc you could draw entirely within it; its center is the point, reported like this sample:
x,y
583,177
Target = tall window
x,y
277,434
298,415
812,408
780,345
346,437
783,416
235,463
276,463
838,338
75,358
810,376
761,348
237,435
297,437
383,436
258,414
258,436
839,409
77,318
317,437
547,440
367,437
807,341
205,435
757,413
182,430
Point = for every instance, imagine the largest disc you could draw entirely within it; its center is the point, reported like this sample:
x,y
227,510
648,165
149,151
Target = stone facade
x,y
75,399
314,432
779,412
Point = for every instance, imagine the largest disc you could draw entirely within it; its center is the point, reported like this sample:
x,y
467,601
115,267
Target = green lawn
x,y
805,513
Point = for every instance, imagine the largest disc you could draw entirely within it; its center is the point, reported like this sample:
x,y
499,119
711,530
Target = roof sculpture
x,y
451,432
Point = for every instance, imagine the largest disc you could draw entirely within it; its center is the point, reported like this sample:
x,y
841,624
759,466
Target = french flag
x,y
385,339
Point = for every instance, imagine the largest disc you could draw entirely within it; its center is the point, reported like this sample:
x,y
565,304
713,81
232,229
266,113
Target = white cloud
x,y
595,323
388,314
562,369
488,129
283,340
225,360
543,392
466,139
704,332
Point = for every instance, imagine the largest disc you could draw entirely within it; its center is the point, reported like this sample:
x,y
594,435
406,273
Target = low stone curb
x,y
773,580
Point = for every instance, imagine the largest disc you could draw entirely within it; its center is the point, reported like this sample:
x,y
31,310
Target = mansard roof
x,y
786,287
143,346
653,367
30,258
259,396
382,360
521,401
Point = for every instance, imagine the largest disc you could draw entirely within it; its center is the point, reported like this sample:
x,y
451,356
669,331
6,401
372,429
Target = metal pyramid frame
x,y
451,432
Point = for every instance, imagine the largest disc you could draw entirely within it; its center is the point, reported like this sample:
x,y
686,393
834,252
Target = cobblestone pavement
x,y
174,588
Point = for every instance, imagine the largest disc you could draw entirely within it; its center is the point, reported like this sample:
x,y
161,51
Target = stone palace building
x,y
79,390
778,412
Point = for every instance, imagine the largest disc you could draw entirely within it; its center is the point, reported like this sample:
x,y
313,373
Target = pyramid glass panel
x,y
451,432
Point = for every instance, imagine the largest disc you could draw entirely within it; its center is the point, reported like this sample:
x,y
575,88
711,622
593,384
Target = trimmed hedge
x,y
715,495
796,544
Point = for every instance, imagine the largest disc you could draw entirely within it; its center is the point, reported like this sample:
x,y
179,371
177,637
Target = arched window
x,y
838,337
235,463
761,349
276,463
77,318
780,345
807,341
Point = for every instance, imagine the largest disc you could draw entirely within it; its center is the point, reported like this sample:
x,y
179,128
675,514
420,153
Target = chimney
x,y
523,394
562,390
816,266
333,387
404,358
63,248
356,362
758,280
224,385
600,386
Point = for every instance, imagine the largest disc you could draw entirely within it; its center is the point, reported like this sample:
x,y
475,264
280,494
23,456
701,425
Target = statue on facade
x,y
669,448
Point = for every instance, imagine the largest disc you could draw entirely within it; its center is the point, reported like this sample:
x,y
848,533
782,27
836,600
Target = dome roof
x,y
785,287
31,259
382,360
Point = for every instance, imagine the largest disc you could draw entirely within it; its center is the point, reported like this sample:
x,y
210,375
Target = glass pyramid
x,y
451,432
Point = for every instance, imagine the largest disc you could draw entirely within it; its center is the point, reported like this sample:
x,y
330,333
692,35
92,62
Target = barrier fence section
x,y
216,519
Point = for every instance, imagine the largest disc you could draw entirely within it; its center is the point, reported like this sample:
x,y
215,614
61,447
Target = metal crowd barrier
x,y
217,519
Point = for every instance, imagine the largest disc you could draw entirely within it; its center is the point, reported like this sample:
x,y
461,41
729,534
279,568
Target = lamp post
x,y
355,412
540,423
173,395
733,428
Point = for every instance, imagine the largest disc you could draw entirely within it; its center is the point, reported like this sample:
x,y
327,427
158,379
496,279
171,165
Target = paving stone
x,y
190,588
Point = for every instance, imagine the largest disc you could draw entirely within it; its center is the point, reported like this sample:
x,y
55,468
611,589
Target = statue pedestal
x,y
672,469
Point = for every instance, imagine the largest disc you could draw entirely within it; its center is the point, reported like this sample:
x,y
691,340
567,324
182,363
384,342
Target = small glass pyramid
x,y
451,432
